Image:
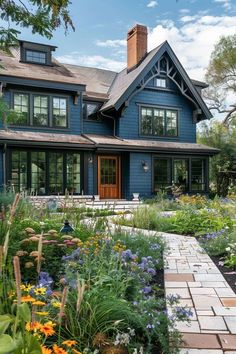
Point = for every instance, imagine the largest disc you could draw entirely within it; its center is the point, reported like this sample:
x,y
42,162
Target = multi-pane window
x,y
34,56
21,108
90,110
198,175
178,170
158,122
59,112
40,110
160,83
45,172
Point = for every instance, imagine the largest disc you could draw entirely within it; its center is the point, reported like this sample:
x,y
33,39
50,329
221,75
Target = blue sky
x,y
192,27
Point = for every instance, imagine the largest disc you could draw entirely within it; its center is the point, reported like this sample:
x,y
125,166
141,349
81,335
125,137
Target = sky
x,y
192,27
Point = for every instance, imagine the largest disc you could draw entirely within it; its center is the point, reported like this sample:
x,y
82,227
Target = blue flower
x,y
151,271
147,289
150,326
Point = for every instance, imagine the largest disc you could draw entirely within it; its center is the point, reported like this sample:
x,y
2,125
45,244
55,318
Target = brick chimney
x,y
136,46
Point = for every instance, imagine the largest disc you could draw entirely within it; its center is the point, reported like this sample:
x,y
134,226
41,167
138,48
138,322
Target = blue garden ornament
x,y
67,228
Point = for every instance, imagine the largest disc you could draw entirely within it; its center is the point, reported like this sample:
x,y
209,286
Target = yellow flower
x,y
29,264
56,304
41,313
40,291
50,323
46,350
38,303
28,287
58,350
69,343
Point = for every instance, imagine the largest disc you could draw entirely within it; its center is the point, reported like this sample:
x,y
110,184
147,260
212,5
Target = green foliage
x,y
218,136
221,76
42,16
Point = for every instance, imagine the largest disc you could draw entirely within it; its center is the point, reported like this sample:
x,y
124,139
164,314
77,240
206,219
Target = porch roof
x,y
19,137
100,142
110,142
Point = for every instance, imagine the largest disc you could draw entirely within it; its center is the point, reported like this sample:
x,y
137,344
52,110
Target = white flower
x,y
228,249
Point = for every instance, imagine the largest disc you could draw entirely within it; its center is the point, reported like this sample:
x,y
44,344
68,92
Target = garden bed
x,y
229,274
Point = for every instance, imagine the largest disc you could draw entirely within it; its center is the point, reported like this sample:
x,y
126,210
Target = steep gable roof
x,y
126,82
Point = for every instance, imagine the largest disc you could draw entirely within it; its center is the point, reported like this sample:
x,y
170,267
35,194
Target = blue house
x,y
97,132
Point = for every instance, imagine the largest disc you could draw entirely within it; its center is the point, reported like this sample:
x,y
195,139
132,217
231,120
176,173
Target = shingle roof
x,y
97,81
11,66
110,141
124,79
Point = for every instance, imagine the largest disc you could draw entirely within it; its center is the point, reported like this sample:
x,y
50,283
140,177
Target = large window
x,y
178,170
21,107
45,172
34,56
158,122
40,110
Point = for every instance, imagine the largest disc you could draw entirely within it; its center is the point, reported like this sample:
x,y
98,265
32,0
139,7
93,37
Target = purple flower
x,y
151,271
154,246
147,289
150,326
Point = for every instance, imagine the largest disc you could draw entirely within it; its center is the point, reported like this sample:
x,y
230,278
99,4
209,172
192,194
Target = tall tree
x,y
222,165
42,16
221,76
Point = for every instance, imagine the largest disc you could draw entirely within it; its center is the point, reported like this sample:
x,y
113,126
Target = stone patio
x,y
191,274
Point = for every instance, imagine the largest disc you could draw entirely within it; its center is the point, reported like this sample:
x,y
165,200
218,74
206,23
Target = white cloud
x,y
111,43
96,61
225,3
152,3
194,40
184,11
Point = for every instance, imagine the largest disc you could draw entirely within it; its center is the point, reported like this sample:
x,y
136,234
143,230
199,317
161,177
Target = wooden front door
x,y
109,177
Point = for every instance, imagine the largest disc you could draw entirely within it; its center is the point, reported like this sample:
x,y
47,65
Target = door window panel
x,y
162,174
108,171
38,172
181,173
55,173
73,173
198,175
19,170
40,111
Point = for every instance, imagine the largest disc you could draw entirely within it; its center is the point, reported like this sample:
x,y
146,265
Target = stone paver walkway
x,y
191,274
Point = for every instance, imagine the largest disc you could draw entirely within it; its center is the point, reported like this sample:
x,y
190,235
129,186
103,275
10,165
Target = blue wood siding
x,y
101,128
128,125
140,181
74,113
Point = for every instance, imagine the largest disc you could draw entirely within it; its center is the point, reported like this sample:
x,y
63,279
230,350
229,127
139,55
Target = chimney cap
x,y
137,28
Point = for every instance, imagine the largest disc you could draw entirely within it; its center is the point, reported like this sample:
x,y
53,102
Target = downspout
x,y
4,167
113,118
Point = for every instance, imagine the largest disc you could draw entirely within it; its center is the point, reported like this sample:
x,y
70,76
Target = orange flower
x,y
46,350
27,298
32,326
76,351
58,350
47,330
69,343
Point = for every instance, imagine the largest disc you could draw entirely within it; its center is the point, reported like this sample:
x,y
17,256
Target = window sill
x,y
32,127
162,137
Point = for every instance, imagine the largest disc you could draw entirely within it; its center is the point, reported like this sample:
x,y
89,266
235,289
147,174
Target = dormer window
x,y
34,56
90,110
160,83
36,53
